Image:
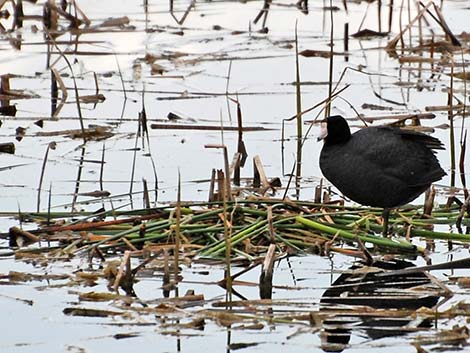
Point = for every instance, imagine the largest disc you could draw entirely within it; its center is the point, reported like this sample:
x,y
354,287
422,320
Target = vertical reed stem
x,y
228,245
379,14
330,74
177,232
390,16
451,124
298,173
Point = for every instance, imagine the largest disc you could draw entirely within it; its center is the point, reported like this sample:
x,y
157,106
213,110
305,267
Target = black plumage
x,y
379,166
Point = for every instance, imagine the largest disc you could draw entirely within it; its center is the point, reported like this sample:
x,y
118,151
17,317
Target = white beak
x,y
323,131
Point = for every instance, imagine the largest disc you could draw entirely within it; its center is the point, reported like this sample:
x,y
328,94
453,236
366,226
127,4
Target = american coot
x,y
379,166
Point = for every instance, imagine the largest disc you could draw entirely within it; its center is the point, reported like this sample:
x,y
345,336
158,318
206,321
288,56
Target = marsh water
x,y
187,68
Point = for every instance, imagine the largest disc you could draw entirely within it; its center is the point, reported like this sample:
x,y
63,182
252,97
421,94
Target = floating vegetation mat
x,y
248,227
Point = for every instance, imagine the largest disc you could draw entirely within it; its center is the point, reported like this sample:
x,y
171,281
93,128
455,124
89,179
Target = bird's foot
x,y
385,230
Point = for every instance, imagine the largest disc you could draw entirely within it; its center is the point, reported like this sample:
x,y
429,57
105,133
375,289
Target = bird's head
x,y
334,129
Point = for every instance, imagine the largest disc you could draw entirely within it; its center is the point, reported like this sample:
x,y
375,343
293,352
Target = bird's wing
x,y
415,136
403,154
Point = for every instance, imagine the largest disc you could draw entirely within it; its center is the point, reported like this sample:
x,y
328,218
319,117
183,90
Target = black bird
x,y
381,166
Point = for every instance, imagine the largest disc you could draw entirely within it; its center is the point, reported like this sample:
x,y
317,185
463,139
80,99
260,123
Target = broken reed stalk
x,y
236,168
429,200
146,196
227,188
266,277
120,273
211,197
51,145
298,97
259,176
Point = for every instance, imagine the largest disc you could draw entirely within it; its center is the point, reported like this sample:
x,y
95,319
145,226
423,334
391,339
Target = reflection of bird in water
x,y
366,287
379,166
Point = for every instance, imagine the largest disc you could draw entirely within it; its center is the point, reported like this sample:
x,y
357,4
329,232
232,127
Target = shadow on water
x,y
363,300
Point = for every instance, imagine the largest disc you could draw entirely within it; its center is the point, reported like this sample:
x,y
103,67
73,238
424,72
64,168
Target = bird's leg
x,y
385,214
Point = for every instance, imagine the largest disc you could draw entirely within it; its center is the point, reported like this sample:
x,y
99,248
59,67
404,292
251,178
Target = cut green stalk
x,y
379,241
236,238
